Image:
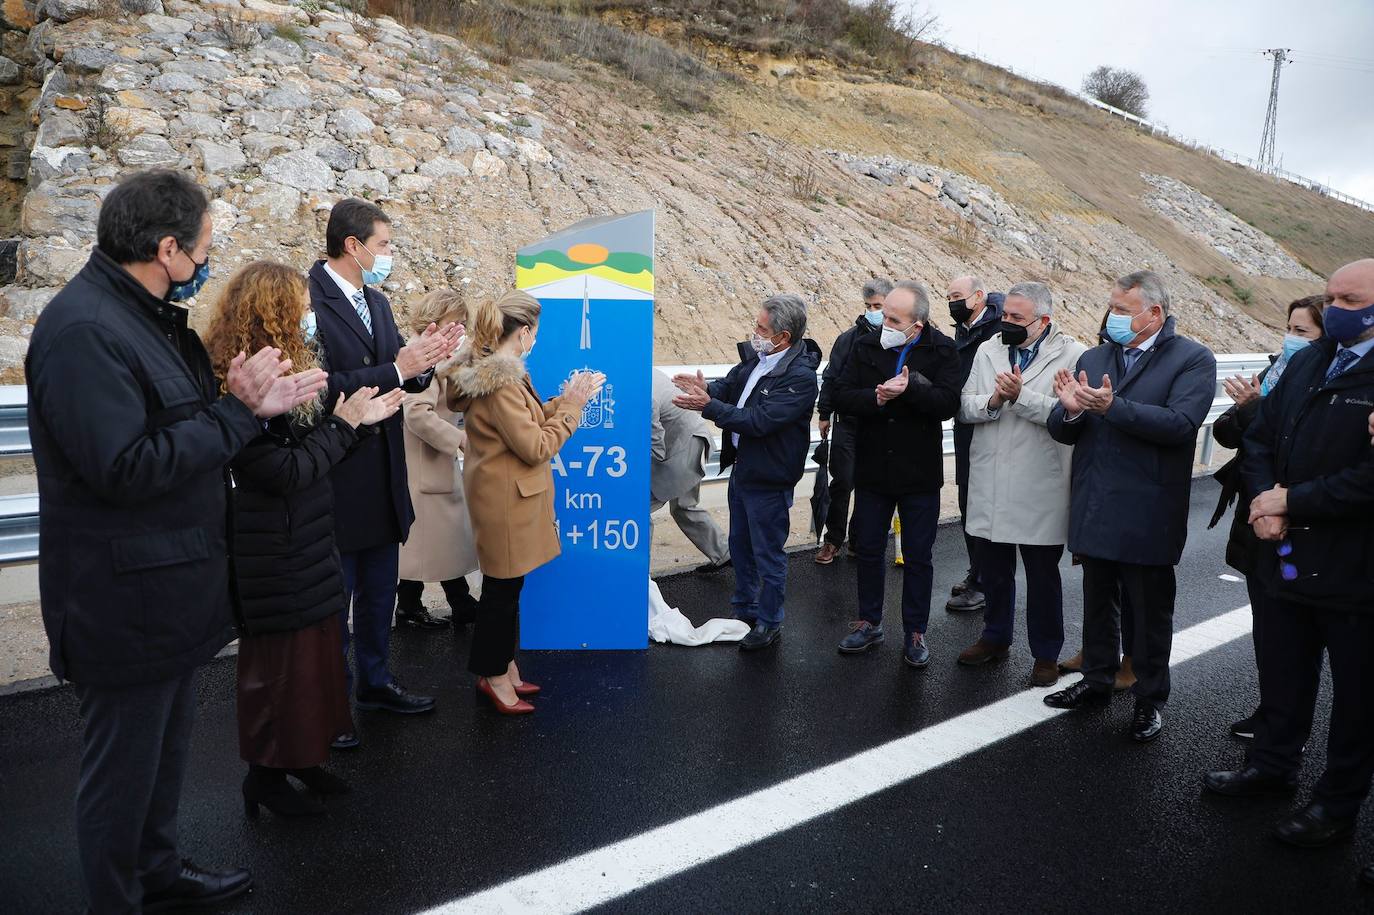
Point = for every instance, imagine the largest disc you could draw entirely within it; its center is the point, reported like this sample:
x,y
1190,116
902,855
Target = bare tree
x,y
1124,89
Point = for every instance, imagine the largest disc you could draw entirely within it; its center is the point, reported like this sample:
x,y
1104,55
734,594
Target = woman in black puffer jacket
x,y
288,586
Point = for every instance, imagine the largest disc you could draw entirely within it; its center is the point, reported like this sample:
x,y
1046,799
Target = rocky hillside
x,y
796,176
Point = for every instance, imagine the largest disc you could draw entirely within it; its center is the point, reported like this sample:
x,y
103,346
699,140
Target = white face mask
x,y
893,338
762,345
525,353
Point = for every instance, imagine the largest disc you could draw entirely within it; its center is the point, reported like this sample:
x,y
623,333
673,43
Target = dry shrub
x,y
237,31
962,237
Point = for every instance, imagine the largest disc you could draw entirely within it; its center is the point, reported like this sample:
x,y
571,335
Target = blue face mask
x,y
874,317
1119,329
381,268
1345,325
180,292
1293,344
308,326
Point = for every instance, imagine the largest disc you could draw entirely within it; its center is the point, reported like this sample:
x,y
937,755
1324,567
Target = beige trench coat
x,y
1018,476
441,545
512,436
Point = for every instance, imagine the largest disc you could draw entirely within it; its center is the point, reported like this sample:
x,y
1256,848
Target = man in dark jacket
x,y
372,510
131,440
1308,456
1135,436
838,428
977,317
764,407
900,385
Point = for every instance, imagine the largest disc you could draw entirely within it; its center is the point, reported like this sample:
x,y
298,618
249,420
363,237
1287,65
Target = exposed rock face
x,y
1202,217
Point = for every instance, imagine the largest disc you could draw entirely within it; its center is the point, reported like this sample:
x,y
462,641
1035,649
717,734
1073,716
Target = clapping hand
x,y
1008,388
434,345
693,388
1242,391
365,408
1066,388
894,387
1371,428
263,386
1094,400
582,387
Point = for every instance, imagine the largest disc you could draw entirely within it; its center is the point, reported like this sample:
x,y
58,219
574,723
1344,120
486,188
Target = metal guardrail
x,y
19,513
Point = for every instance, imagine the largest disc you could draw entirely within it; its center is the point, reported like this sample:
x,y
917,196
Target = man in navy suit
x,y
372,509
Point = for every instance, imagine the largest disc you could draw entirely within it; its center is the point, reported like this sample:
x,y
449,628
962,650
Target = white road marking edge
x,y
612,871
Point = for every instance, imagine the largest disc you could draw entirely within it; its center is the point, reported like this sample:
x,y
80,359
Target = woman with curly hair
x,y
288,584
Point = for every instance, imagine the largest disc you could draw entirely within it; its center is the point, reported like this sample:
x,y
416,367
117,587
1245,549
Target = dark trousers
x,y
133,756
1147,594
841,481
961,461
760,520
497,627
370,586
920,513
1290,675
409,593
1044,595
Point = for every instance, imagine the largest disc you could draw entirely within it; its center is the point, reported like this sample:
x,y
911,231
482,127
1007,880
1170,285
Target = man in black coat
x,y
1308,456
131,440
900,385
838,428
1135,436
764,407
372,510
977,316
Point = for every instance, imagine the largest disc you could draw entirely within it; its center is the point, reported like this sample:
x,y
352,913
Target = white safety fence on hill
x,y
19,513
1157,129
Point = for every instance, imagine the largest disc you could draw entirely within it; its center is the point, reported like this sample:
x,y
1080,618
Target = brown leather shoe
x,y
981,652
1073,665
827,553
1044,673
1125,676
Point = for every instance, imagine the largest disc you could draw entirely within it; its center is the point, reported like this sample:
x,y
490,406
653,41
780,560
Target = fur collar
x,y
474,376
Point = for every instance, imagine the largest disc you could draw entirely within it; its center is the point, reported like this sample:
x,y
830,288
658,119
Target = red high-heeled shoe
x,y
520,707
528,689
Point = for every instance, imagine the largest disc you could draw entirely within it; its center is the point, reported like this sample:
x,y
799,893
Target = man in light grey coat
x,y
681,446
1019,478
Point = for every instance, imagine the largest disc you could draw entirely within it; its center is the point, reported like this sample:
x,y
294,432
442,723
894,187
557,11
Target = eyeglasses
x,y
1287,570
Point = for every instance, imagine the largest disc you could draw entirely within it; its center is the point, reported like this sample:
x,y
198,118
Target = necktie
x,y
1344,359
360,306
1024,357
1131,355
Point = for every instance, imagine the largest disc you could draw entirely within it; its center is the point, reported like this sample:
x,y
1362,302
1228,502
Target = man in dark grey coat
x,y
131,440
1135,433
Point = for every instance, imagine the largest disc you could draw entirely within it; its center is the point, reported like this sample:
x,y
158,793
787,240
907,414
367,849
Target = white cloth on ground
x,y
667,624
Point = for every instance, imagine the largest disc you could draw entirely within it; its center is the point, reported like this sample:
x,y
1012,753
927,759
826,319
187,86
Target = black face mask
x,y
959,310
1014,334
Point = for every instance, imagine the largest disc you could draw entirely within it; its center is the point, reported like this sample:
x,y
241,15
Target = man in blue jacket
x,y
372,510
1308,455
1135,434
764,407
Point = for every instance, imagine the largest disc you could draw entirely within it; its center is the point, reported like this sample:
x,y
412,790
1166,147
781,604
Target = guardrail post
x,y
1208,446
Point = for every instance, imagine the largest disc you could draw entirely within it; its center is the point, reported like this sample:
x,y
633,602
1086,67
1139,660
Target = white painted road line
x,y
615,870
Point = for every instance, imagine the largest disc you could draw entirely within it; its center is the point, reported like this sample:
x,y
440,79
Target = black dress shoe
x,y
464,612
394,698
263,787
345,742
708,567
761,636
1314,826
418,618
1079,695
195,887
320,781
1146,722
1248,782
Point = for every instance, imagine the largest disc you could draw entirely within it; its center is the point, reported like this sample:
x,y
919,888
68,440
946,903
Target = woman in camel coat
x,y
440,547
512,436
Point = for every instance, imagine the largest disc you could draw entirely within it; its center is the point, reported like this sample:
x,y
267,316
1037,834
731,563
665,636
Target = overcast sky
x,y
1201,61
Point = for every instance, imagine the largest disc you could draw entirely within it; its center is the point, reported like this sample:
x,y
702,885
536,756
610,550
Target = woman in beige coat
x,y
440,547
512,436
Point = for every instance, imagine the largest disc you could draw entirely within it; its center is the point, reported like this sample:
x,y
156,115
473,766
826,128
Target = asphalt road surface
x,y
686,780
